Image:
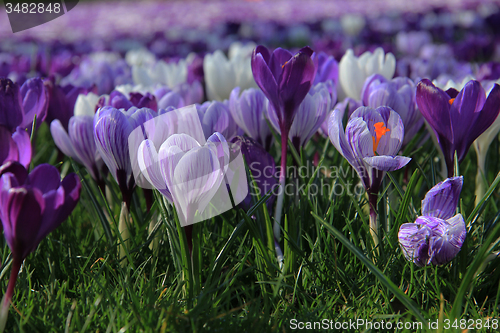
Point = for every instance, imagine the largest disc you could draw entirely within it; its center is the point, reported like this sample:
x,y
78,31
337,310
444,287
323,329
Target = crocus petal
x,y
447,240
62,140
11,114
8,147
23,142
413,240
441,201
263,75
148,162
81,133
35,101
44,177
434,106
387,163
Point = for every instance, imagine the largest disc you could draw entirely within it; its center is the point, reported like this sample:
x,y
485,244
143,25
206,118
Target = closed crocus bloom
x,y
31,206
193,173
62,101
262,166
19,105
249,111
437,236
11,114
457,118
311,113
399,95
78,142
170,74
15,146
353,71
328,68
222,75
112,128
215,117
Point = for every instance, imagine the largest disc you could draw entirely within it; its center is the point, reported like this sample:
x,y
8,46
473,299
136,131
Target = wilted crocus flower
x,y
249,110
112,128
399,95
285,80
15,146
353,71
19,105
437,236
222,75
215,117
62,101
457,118
311,113
31,206
261,165
370,144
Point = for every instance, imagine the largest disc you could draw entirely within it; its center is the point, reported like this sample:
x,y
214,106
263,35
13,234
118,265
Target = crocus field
x,y
252,166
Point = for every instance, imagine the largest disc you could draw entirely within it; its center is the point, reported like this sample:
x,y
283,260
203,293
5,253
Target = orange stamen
x,y
451,101
380,131
284,64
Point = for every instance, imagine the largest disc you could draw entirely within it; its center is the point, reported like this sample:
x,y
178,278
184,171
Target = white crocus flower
x,y
452,84
85,105
353,71
222,75
163,73
139,57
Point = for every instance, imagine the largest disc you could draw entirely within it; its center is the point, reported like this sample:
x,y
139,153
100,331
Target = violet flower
x,y
62,101
15,146
398,94
215,117
112,128
249,110
31,206
437,236
457,118
370,144
285,80
19,105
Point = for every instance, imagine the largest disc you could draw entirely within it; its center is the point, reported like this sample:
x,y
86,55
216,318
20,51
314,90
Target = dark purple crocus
x,y
285,79
437,236
370,143
31,206
120,101
15,146
399,95
262,167
112,128
19,105
62,101
249,111
457,118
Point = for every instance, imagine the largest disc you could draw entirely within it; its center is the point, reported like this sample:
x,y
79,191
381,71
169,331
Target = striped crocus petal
x,y
148,162
441,201
81,134
111,131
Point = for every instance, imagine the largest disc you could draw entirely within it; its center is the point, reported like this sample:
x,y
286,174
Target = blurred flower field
x,y
253,166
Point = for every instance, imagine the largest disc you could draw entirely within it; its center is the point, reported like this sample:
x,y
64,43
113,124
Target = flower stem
x,y
281,196
123,229
4,312
372,199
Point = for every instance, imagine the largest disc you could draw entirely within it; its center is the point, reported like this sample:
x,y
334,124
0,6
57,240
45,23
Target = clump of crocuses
x,y
437,236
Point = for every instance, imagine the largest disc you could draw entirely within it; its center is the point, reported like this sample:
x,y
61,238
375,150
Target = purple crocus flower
x,y
112,128
437,236
79,144
262,166
249,110
327,68
215,117
15,146
348,104
62,101
399,95
120,101
31,206
311,113
19,105
457,118
370,144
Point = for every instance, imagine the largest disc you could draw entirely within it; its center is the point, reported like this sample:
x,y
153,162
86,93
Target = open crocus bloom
x,y
370,143
457,118
437,236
